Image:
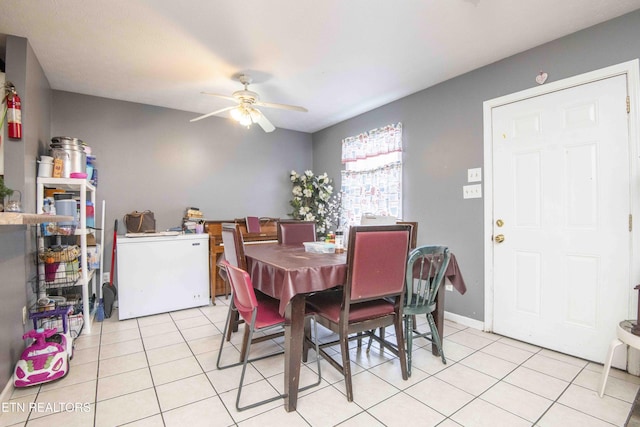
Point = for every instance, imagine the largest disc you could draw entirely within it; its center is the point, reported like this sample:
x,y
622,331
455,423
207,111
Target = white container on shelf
x,y
45,169
67,207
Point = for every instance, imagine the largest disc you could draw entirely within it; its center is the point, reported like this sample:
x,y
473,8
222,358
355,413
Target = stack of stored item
x,y
192,221
71,156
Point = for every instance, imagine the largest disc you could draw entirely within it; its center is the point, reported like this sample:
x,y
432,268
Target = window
x,y
372,178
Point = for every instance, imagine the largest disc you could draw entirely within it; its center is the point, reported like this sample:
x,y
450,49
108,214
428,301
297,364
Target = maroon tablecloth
x,y
282,271
454,275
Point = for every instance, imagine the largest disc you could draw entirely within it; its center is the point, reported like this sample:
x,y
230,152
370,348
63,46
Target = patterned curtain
x,y
379,141
372,180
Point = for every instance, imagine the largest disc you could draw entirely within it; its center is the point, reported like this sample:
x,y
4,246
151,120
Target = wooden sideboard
x,y
268,232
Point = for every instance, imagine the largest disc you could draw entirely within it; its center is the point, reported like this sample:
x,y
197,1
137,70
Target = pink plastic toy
x,y
46,359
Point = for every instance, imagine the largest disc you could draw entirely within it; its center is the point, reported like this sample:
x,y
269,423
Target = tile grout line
x,y
95,399
478,397
153,384
202,368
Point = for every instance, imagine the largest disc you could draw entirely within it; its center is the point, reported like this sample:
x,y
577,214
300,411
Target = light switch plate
x,y
472,191
474,175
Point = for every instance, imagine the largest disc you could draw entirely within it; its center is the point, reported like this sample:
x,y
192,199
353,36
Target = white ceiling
x,y
337,58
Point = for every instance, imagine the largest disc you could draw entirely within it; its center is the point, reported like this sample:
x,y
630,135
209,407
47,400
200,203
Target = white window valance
x,y
384,140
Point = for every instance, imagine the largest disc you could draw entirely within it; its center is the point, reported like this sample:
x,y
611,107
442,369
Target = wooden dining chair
x,y
426,267
413,240
371,298
293,232
259,315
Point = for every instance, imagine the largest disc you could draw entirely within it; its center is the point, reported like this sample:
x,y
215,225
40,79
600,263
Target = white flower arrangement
x,y
313,200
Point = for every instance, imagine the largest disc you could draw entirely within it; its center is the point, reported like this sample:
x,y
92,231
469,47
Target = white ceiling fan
x,y
245,112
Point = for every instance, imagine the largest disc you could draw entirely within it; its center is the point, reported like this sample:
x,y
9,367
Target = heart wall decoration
x,y
541,77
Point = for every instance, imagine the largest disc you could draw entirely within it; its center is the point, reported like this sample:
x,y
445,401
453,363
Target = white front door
x,y
561,192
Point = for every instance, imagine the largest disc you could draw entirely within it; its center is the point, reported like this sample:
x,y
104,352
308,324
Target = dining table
x,y
289,273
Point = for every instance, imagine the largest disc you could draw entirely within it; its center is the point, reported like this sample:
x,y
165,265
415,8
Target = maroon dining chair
x,y
371,298
253,224
292,232
234,255
413,241
233,245
259,316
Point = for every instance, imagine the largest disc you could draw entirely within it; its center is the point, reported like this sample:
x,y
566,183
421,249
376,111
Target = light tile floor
x,y
160,371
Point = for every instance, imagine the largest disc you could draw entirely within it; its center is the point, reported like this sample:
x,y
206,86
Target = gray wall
x,y
17,243
443,137
154,158
12,297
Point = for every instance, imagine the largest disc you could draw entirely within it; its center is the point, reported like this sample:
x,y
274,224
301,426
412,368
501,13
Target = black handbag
x,y
140,222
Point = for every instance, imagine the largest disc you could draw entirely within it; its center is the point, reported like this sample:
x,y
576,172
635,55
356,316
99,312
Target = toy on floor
x,y
46,359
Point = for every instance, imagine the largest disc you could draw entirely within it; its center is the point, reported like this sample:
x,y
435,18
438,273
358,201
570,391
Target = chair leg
x,y
382,336
244,360
224,334
246,342
307,338
402,355
408,335
607,365
360,336
316,343
234,321
244,356
435,336
346,366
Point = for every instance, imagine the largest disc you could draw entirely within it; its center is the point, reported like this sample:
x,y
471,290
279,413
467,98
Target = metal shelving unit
x,y
86,277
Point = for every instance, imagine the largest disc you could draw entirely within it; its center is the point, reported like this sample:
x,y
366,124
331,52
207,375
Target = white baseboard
x,y
5,396
465,321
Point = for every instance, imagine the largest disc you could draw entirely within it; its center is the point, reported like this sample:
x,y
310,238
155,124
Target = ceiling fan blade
x,y
282,106
230,98
264,123
211,114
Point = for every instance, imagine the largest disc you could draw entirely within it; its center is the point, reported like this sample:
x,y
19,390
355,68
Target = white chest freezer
x,y
161,274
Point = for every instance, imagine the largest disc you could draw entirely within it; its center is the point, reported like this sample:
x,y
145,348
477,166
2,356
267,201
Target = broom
x,y
109,292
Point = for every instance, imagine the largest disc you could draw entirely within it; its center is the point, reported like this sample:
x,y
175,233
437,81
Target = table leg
x,y
294,336
438,317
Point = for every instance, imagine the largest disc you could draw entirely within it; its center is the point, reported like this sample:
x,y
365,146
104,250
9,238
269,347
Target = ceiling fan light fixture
x,y
236,113
245,112
246,120
241,115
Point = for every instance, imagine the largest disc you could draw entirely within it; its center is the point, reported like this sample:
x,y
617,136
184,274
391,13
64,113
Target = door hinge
x,y
630,222
628,105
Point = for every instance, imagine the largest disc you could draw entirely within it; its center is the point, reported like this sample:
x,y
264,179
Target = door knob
x,y
499,238
499,223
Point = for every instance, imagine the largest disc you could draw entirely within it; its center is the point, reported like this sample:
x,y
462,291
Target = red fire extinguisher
x,y
14,115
